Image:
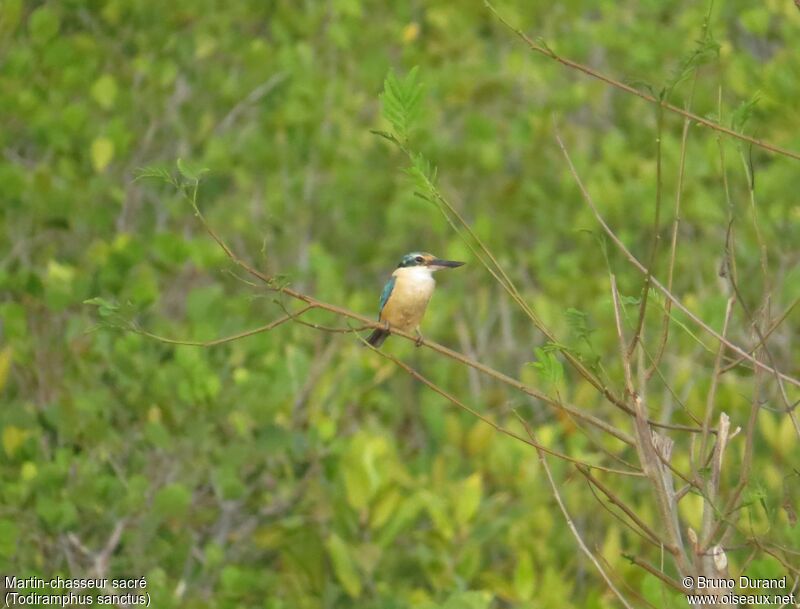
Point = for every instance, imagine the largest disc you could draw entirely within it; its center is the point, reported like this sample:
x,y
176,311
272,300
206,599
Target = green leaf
x,y
105,308
524,576
10,14
744,112
191,174
578,323
468,600
401,100
99,302
384,508
361,470
402,518
104,91
756,20
706,51
436,508
548,365
343,565
156,172
172,501
468,499
9,534
102,153
423,173
13,439
6,356
55,512
357,485
214,555
228,483
44,24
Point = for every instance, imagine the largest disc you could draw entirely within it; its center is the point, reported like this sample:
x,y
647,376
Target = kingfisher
x,y
405,296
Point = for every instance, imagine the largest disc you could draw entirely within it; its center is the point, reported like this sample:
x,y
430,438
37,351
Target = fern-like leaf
x,y
402,101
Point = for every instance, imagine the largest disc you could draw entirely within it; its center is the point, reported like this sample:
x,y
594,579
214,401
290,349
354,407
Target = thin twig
x,y
482,253
225,339
547,52
568,518
372,323
729,257
624,355
451,398
676,220
712,391
651,457
773,326
655,571
732,505
638,265
655,240
645,528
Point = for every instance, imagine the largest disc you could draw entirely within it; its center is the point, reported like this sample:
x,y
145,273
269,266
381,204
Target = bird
x,y
407,293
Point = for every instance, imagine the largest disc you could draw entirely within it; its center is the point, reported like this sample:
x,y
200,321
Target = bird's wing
x,y
387,291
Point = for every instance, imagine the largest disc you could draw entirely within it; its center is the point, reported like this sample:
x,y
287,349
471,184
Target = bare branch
x,y
773,326
225,339
649,533
372,323
676,220
638,265
574,65
712,391
655,239
657,572
568,519
623,353
451,398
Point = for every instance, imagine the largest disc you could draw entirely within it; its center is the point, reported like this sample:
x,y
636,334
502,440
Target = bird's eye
x,y
419,259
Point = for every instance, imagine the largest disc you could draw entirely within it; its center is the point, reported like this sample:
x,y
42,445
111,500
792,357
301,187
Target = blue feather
x,y
387,292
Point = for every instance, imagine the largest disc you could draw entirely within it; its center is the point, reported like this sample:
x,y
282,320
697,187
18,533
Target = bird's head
x,y
427,261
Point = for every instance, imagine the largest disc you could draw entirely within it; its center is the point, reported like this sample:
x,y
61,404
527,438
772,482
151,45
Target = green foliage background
x,y
295,469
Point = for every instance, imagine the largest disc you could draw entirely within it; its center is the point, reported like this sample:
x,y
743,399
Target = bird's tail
x,y
377,337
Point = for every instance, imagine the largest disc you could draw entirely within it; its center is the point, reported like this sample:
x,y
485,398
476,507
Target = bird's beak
x,y
438,263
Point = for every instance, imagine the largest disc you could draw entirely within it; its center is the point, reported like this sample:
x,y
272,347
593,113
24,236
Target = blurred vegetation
x,y
294,469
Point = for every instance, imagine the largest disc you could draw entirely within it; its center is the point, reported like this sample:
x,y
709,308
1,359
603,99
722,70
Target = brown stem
x,y
675,301
574,65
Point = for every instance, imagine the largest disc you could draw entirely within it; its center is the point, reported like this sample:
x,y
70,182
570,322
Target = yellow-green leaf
x,y
28,470
10,16
468,498
43,24
362,469
438,514
13,437
384,508
104,91
343,565
60,273
471,599
356,484
480,438
523,576
9,535
102,153
787,442
5,366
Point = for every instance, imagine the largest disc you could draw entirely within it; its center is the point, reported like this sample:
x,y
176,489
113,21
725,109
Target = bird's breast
x,y
409,299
